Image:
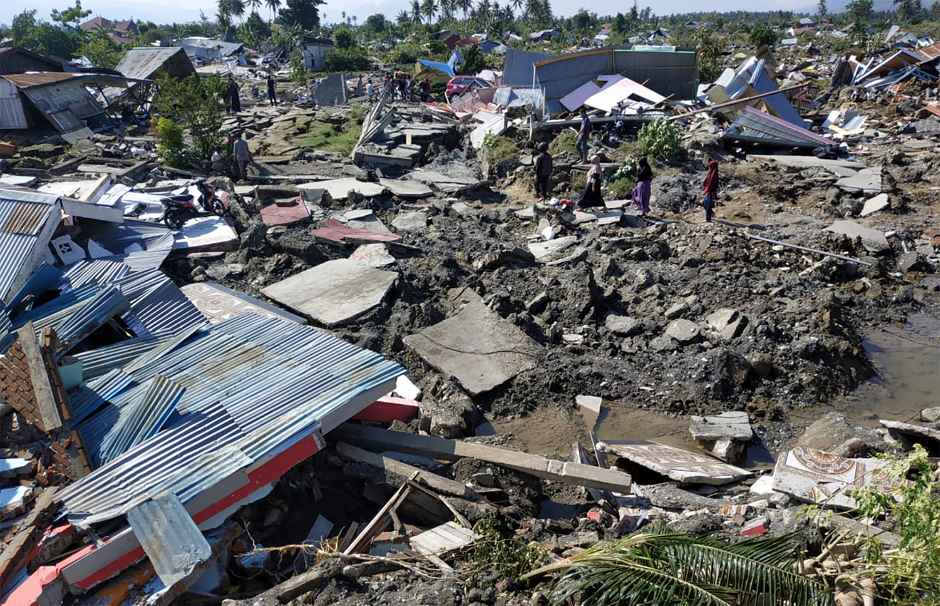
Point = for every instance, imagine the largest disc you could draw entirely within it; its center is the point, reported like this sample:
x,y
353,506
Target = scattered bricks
x,y
756,527
738,520
734,510
595,515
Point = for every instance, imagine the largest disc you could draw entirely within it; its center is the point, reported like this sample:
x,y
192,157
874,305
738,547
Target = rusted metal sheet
x,y
25,218
334,231
146,62
38,79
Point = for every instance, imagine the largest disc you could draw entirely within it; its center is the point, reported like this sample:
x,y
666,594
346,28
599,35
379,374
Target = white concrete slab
x,y
406,189
873,205
544,250
411,221
872,239
339,188
373,255
680,465
334,292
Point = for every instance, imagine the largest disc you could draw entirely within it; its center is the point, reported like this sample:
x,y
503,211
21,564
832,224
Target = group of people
x,y
592,195
234,94
402,86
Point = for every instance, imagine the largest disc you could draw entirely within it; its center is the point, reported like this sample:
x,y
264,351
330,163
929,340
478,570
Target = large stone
x,y
719,320
824,478
677,464
833,434
930,415
676,310
873,205
623,325
334,292
683,331
476,347
872,239
411,221
545,250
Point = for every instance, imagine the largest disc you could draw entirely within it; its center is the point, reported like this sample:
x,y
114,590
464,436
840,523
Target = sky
x,y
182,11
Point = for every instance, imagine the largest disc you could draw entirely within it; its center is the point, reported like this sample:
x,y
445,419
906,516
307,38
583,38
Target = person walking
x,y
272,95
242,156
236,102
641,193
582,144
426,90
370,91
711,189
359,86
592,195
543,172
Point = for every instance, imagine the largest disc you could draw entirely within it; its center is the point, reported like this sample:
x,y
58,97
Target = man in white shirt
x,y
242,155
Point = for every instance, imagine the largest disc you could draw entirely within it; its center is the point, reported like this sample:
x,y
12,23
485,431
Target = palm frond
x,y
682,569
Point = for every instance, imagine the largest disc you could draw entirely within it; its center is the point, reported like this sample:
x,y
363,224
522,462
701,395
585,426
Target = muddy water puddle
x,y
907,360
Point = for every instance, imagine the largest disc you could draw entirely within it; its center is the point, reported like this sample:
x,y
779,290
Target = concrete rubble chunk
x,y
683,331
406,189
623,325
732,425
334,292
411,221
339,188
867,180
873,205
831,433
477,347
930,415
545,250
815,476
762,486
373,255
872,239
721,319
910,434
591,403
677,464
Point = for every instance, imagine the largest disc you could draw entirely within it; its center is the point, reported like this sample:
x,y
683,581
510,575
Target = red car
x,y
458,85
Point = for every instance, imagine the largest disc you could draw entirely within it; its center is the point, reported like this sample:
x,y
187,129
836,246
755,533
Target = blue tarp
x,y
449,67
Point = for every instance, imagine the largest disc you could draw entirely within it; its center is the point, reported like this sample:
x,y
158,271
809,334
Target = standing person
x,y
592,189
543,172
370,92
272,96
582,145
359,86
641,193
426,90
242,156
711,189
403,85
233,96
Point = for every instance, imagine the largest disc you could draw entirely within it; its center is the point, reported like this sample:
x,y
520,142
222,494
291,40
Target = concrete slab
x,y
464,210
867,180
277,214
732,425
334,292
448,183
910,434
207,234
218,303
820,477
873,205
335,232
477,347
806,161
339,188
373,255
411,221
608,218
544,250
675,463
406,189
17,180
616,204
365,219
872,239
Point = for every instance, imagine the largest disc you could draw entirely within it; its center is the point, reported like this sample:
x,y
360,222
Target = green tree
x,y
199,105
343,38
429,9
254,4
403,18
254,31
473,61
416,12
821,9
375,23
909,10
101,50
763,35
273,5
347,60
710,47
72,15
44,38
303,13
861,13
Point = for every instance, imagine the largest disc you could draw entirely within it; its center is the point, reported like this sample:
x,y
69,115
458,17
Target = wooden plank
x,y
379,522
442,539
549,469
42,388
425,478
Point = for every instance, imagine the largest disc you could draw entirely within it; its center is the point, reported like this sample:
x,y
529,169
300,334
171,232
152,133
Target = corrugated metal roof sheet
x,y
143,62
519,67
98,362
252,384
16,249
38,78
169,536
756,126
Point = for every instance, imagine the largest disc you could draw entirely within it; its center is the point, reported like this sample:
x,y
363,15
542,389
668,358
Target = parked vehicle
x,y
181,208
458,85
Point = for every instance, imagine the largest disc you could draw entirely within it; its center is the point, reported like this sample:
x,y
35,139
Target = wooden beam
x,y
439,448
42,387
734,102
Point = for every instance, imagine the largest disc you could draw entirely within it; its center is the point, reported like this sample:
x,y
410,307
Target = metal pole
x,y
812,250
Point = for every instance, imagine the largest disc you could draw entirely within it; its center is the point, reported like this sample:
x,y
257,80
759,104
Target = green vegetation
x,y
511,557
620,184
199,105
332,137
172,148
102,51
763,34
564,142
661,140
298,71
499,148
473,60
658,566
910,573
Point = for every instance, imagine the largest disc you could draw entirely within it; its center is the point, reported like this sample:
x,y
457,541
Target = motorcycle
x,y
181,208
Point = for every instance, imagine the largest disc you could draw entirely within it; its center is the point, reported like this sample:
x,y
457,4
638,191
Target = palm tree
x,y
416,11
483,10
429,8
661,567
254,4
274,5
516,4
532,8
403,18
465,6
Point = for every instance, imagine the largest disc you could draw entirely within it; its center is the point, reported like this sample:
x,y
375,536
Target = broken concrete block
x,y
623,325
756,527
676,310
675,463
763,485
334,292
545,250
726,449
873,205
373,255
411,221
831,433
872,239
731,425
477,347
683,331
591,403
909,434
721,319
930,415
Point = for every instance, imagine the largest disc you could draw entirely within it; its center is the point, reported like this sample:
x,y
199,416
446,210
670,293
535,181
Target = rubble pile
x,y
324,391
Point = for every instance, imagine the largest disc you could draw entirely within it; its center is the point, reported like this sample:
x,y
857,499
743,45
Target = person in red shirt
x,y
711,189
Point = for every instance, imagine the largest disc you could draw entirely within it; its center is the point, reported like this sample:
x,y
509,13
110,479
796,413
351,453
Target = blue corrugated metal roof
x,y
753,74
519,67
251,385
